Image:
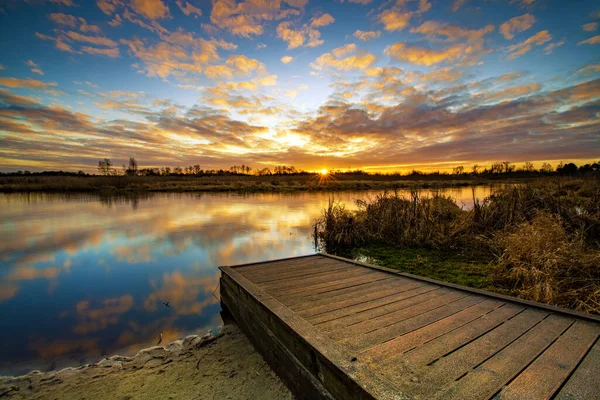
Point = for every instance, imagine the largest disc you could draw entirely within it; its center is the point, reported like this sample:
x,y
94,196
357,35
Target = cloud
x,y
298,37
360,61
458,4
343,50
519,49
323,20
97,40
366,35
523,3
189,9
2,67
512,92
516,24
548,49
592,40
394,20
34,67
592,26
64,19
112,53
423,56
26,83
424,6
287,59
246,17
151,9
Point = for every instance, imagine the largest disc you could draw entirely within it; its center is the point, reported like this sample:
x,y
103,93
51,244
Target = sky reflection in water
x,y
83,276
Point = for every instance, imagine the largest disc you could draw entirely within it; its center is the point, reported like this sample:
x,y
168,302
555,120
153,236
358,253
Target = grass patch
x,y
469,269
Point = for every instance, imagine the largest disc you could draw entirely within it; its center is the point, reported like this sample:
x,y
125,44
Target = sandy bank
x,y
224,366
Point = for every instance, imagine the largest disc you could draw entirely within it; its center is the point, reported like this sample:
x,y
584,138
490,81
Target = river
x,y
83,276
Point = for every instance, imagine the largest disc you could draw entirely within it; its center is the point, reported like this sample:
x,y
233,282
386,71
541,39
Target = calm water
x,y
83,276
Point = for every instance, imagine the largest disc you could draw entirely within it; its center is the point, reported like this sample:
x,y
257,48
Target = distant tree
x,y
177,170
528,167
508,166
497,168
475,168
567,169
197,169
458,170
546,168
104,166
133,166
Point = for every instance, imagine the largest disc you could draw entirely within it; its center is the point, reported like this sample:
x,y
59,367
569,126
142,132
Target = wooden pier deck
x,y
335,328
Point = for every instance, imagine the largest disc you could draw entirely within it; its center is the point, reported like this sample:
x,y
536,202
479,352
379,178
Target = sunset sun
x,y
323,171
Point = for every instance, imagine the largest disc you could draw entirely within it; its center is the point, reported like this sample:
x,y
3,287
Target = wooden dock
x,y
336,328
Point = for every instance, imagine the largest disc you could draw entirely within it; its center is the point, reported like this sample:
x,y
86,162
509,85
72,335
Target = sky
x,y
377,85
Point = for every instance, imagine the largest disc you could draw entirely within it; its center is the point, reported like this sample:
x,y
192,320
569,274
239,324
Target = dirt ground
x,y
224,366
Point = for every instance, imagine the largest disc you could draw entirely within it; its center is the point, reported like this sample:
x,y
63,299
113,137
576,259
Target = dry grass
x,y
541,263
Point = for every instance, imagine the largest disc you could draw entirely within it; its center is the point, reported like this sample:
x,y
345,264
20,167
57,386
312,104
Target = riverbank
x,y
232,183
223,366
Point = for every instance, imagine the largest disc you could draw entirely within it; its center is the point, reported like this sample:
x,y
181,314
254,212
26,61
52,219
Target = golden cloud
x,y
323,20
26,83
592,40
189,9
424,56
97,40
151,9
519,49
366,35
287,59
360,61
516,24
297,38
512,92
394,20
343,50
592,26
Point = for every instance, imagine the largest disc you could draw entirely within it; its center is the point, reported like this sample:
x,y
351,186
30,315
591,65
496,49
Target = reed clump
x,y
543,237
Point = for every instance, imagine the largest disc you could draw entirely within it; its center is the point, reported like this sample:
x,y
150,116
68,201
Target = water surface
x,y
84,276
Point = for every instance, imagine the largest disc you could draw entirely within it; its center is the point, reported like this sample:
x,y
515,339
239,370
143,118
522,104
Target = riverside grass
x,y
539,240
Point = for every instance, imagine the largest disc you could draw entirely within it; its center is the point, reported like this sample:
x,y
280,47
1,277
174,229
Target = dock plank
x,y
545,375
584,383
489,377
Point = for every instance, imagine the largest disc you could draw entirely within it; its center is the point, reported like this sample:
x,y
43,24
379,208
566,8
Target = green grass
x,y
468,269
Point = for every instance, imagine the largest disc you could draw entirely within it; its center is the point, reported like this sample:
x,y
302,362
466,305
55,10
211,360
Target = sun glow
x,y
323,171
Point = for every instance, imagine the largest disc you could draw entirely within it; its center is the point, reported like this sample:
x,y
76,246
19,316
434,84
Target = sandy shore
x,y
224,366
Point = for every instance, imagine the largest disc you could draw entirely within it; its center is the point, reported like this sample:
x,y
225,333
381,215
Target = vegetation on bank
x,y
539,240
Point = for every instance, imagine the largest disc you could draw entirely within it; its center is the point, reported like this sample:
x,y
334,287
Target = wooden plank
x,y
584,382
281,265
292,275
336,311
357,292
457,363
489,377
403,343
307,280
372,320
241,267
327,286
547,373
266,275
436,348
358,344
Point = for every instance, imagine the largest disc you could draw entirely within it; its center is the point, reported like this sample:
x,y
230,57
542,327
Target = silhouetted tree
x,y
133,167
104,166
546,168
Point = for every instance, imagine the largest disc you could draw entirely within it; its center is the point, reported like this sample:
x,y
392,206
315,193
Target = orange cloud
x,y
97,40
592,40
297,38
423,56
366,35
112,53
189,9
151,9
342,51
458,4
592,26
64,19
519,49
516,24
287,59
512,92
323,20
26,83
394,20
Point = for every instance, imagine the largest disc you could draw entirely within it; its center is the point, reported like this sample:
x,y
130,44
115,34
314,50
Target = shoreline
x,y
209,366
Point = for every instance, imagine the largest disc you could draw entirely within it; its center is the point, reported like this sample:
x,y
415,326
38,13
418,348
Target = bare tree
x,y
133,166
104,166
475,168
528,166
